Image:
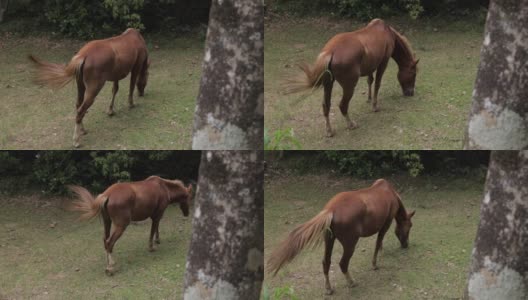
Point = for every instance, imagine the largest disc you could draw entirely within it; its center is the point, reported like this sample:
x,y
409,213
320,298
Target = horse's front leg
x,y
370,80
115,88
133,79
157,240
153,231
379,244
377,84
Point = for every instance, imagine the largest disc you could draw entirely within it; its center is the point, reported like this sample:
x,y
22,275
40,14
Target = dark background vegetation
x,y
368,9
51,171
371,164
89,19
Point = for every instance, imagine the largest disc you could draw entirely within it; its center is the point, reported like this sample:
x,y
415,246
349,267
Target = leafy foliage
x,y
281,140
372,163
89,19
366,10
280,293
53,170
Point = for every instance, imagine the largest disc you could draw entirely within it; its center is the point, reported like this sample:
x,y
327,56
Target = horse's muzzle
x,y
408,93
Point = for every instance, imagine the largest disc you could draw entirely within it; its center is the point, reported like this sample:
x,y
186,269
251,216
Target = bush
x,y
281,140
367,10
366,164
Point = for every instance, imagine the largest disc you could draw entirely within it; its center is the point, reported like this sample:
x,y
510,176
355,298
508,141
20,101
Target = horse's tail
x,y
309,233
86,204
313,75
57,76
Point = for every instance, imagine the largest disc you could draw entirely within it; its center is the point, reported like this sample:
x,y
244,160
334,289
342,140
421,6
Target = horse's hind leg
x,y
348,250
115,88
117,231
348,92
327,84
89,98
329,245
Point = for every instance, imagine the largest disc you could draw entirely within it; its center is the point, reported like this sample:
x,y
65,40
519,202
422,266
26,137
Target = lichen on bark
x,y
499,115
499,268
225,259
230,111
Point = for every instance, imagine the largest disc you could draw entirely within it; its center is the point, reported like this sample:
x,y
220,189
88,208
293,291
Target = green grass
x,y
68,261
38,118
433,267
435,118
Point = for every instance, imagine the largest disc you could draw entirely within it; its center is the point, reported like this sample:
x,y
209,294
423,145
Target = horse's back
x,y
364,212
365,48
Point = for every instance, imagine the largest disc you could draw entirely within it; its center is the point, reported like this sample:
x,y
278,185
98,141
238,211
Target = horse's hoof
x,y
375,109
352,126
330,133
109,271
329,292
132,105
352,285
151,249
375,268
110,113
76,144
158,242
84,132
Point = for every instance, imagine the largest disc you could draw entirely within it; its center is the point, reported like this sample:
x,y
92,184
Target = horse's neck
x,y
402,54
401,213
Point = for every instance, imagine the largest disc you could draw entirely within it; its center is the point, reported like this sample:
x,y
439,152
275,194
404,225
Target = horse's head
x,y
186,200
403,227
143,78
407,77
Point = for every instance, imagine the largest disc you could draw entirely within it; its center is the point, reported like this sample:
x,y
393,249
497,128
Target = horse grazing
x,y
347,217
122,203
97,62
348,56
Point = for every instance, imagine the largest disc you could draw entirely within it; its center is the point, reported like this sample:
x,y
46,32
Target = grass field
x,y
68,260
433,267
36,117
435,118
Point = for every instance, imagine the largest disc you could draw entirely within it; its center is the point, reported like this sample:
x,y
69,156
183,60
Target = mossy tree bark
x,y
225,259
499,116
499,268
230,109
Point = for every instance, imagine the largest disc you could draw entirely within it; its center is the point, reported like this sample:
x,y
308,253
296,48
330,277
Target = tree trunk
x,y
499,268
499,115
225,259
230,109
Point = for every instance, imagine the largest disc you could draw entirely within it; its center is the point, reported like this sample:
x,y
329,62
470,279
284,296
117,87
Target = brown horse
x,y
122,203
348,56
347,217
97,62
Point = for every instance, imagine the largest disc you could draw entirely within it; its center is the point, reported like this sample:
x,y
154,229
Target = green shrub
x,y
368,164
281,140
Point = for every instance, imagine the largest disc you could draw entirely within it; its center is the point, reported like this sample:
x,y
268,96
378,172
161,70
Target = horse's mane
x,y
402,40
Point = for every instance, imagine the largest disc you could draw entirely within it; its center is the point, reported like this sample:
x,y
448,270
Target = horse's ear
x,y
411,214
189,188
416,61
